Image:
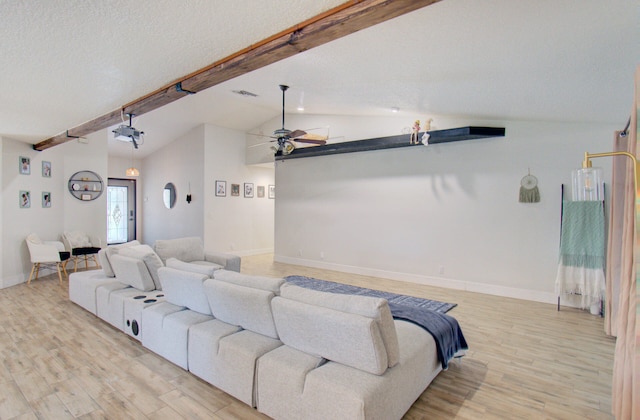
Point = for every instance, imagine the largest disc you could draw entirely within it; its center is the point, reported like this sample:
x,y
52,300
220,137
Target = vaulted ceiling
x,y
64,63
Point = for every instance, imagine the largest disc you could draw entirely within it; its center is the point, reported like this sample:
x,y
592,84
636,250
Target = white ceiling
x,y
66,62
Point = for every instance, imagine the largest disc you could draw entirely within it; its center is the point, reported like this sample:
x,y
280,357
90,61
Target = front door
x,y
121,210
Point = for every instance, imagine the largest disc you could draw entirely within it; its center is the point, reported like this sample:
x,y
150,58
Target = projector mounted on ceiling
x,y
128,133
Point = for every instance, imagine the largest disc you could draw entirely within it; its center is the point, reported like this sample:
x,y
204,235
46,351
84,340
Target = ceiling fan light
x,y
132,172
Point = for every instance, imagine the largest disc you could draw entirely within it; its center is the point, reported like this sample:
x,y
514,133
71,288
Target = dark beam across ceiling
x,y
340,21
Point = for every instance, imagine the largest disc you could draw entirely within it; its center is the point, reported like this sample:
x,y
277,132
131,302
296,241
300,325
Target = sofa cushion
x,y
184,288
375,308
148,256
346,338
105,253
132,271
185,249
246,307
270,284
193,267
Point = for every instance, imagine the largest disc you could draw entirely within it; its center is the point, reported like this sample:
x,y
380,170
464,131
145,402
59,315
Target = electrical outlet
x,y
441,269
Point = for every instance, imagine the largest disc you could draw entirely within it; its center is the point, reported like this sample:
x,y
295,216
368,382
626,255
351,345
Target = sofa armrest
x,y
228,261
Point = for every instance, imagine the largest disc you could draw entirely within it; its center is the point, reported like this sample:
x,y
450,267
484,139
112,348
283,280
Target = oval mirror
x,y
169,195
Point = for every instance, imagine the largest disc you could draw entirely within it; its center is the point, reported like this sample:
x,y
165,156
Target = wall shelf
x,y
85,185
393,142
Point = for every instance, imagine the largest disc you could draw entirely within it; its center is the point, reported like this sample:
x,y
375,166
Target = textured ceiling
x,y
66,62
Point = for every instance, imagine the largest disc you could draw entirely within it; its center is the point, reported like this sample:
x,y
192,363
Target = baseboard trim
x,y
446,283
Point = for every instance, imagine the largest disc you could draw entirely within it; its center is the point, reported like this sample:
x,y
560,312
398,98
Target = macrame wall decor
x,y
529,192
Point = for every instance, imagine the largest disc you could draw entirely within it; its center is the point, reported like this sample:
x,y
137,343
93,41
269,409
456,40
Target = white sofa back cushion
x,y
185,249
375,308
133,272
350,339
246,307
206,269
271,284
183,288
146,254
105,253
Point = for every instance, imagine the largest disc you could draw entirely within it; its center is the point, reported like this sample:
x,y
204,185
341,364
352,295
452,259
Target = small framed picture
x,y
25,199
46,199
85,197
272,191
260,191
221,188
235,190
248,190
46,169
24,165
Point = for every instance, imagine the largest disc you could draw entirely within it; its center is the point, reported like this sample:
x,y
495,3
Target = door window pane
x,y
117,214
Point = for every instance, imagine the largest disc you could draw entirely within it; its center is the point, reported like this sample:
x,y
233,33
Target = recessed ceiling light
x,y
244,93
395,109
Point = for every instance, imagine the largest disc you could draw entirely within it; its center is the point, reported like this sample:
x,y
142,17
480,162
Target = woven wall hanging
x,y
529,192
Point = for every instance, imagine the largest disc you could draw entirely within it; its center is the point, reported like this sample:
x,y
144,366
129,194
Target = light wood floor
x,y
526,360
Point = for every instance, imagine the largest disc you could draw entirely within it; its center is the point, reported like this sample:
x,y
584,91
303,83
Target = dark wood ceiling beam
x,y
343,20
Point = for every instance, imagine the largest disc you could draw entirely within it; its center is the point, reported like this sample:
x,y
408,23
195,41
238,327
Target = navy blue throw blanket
x,y
425,313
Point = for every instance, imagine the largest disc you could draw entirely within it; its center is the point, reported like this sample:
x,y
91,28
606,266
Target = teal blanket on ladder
x,y
582,242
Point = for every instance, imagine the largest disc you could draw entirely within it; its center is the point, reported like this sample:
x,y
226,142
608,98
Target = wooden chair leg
x,y
64,268
37,270
86,262
59,274
33,267
75,263
95,260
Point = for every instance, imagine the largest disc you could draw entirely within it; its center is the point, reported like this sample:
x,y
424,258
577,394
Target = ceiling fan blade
x,y
310,141
297,133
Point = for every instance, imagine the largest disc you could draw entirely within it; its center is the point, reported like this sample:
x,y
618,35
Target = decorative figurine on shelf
x,y
426,135
414,133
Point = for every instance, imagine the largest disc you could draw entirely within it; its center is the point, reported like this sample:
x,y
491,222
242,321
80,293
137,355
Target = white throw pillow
x,y
148,256
105,253
78,239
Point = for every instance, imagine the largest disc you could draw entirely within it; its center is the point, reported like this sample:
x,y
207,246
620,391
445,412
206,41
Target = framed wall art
x,y
235,190
24,165
46,169
260,191
46,199
221,188
25,199
248,190
272,191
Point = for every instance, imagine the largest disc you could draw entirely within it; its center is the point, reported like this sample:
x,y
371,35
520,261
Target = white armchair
x,y
82,246
47,253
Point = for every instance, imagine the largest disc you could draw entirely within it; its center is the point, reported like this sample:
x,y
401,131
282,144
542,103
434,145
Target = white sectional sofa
x,y
290,352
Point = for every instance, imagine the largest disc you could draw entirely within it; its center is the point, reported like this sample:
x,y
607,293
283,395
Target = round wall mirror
x,y
169,195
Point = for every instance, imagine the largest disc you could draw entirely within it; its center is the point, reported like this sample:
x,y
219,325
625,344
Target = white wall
x,y
182,163
445,214
65,213
240,225
205,154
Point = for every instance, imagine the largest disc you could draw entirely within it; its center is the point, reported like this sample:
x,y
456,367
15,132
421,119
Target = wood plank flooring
x,y
526,360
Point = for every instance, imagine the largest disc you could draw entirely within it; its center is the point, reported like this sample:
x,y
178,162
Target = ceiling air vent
x,y
244,93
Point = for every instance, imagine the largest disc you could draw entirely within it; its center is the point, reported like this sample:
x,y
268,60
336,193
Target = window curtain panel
x,y
626,365
621,229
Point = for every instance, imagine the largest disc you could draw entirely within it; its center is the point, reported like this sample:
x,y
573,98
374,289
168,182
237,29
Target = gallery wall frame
x,y
272,191
235,190
46,169
248,190
24,198
260,191
24,165
46,199
221,188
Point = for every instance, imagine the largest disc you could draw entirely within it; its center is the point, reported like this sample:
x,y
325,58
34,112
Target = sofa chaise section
x,y
334,364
